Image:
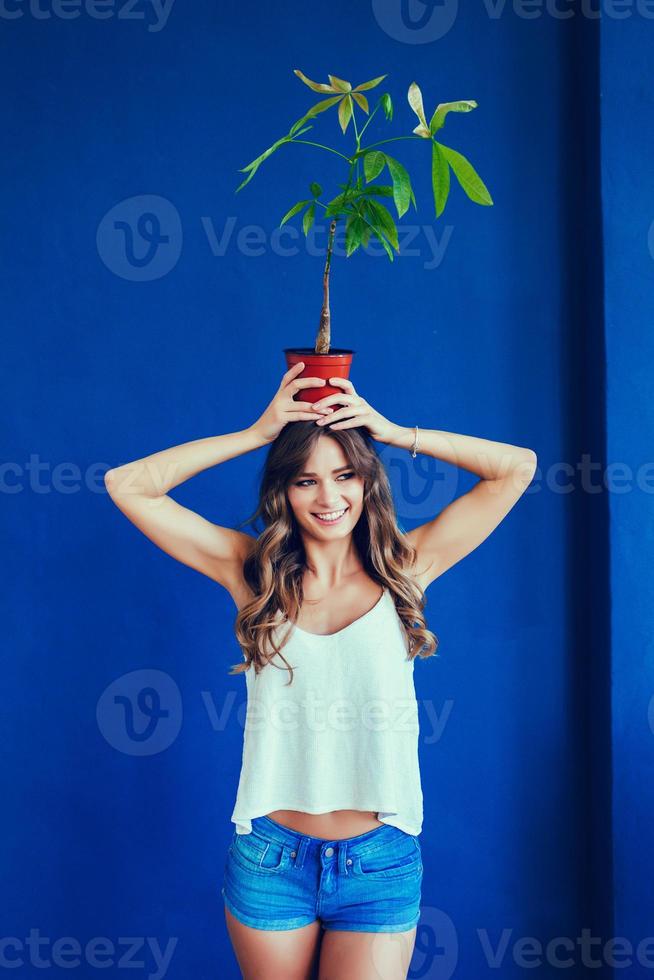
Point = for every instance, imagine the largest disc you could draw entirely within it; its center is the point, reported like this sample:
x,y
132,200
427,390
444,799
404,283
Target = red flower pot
x,y
336,364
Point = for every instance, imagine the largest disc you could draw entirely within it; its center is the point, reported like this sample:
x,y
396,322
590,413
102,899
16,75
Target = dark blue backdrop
x,y
528,322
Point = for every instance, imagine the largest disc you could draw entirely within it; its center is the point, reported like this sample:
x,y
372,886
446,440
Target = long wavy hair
x,y
275,567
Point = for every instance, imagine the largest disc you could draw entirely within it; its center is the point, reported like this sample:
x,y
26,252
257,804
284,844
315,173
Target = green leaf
x,y
440,178
315,189
373,164
296,125
361,101
248,178
387,106
337,204
255,164
379,234
354,229
294,210
401,185
325,104
339,84
293,131
467,176
345,112
365,238
307,220
414,96
337,210
438,119
382,190
384,220
371,84
316,86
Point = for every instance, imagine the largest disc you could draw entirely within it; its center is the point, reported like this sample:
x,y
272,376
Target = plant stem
x,y
354,123
322,147
358,139
391,140
369,119
323,339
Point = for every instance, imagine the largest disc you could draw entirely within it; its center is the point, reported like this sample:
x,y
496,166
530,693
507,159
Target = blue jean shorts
x,y
277,878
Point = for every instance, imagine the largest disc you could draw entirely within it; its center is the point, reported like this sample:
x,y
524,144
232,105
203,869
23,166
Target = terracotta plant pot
x,y
336,364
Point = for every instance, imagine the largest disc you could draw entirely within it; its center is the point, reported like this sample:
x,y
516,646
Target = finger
x,y
339,399
341,413
301,417
342,383
308,383
347,423
292,373
308,406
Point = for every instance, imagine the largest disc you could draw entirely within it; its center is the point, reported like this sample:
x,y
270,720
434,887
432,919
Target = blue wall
x,y
522,328
628,228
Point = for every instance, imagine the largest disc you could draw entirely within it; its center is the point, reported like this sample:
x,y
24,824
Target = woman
x,y
329,808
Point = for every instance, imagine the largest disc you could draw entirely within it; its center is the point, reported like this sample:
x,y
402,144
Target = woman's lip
x,y
331,512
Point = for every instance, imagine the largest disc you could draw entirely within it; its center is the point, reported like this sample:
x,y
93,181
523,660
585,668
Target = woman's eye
x,y
304,483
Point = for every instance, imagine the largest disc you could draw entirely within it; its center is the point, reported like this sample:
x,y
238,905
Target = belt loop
x,y
301,850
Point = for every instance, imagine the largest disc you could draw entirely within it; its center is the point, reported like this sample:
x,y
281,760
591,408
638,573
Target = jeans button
x,y
349,861
293,853
329,851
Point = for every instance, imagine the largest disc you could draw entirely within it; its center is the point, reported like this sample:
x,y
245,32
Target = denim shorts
x,y
277,878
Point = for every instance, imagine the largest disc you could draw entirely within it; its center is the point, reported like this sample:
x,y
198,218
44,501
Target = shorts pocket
x,y
256,853
401,859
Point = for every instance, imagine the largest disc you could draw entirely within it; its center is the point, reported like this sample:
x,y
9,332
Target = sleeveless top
x,y
343,735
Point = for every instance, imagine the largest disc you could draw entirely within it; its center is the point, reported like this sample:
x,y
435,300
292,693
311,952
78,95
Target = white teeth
x,y
333,516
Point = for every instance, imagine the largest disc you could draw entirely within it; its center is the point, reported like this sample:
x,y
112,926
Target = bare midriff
x,y
336,825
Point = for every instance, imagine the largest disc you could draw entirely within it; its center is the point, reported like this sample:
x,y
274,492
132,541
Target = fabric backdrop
x,y
147,305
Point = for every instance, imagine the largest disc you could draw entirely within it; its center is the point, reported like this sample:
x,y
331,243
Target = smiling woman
x,y
326,491
330,597
330,539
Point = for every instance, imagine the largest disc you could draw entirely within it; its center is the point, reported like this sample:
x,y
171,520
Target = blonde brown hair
x,y
274,568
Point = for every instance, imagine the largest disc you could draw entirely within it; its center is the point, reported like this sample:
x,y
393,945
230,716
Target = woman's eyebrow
x,y
337,470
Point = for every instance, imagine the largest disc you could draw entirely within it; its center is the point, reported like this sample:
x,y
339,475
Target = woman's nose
x,y
329,501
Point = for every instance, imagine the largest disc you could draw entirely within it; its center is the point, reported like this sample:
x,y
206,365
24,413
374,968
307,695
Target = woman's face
x,y
327,497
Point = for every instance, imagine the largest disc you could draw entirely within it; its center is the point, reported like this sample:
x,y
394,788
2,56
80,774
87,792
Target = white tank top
x,y
343,735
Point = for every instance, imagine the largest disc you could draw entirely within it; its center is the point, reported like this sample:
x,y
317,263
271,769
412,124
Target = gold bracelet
x,y
415,443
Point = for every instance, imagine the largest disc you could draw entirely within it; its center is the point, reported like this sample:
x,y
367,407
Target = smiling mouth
x,y
332,517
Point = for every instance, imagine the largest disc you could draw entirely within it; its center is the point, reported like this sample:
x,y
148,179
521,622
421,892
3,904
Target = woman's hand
x,y
283,408
356,411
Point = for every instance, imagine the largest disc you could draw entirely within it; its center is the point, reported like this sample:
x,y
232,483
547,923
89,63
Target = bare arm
x,y
140,490
505,471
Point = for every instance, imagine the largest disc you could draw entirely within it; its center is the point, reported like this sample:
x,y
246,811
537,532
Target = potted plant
x,y
360,201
